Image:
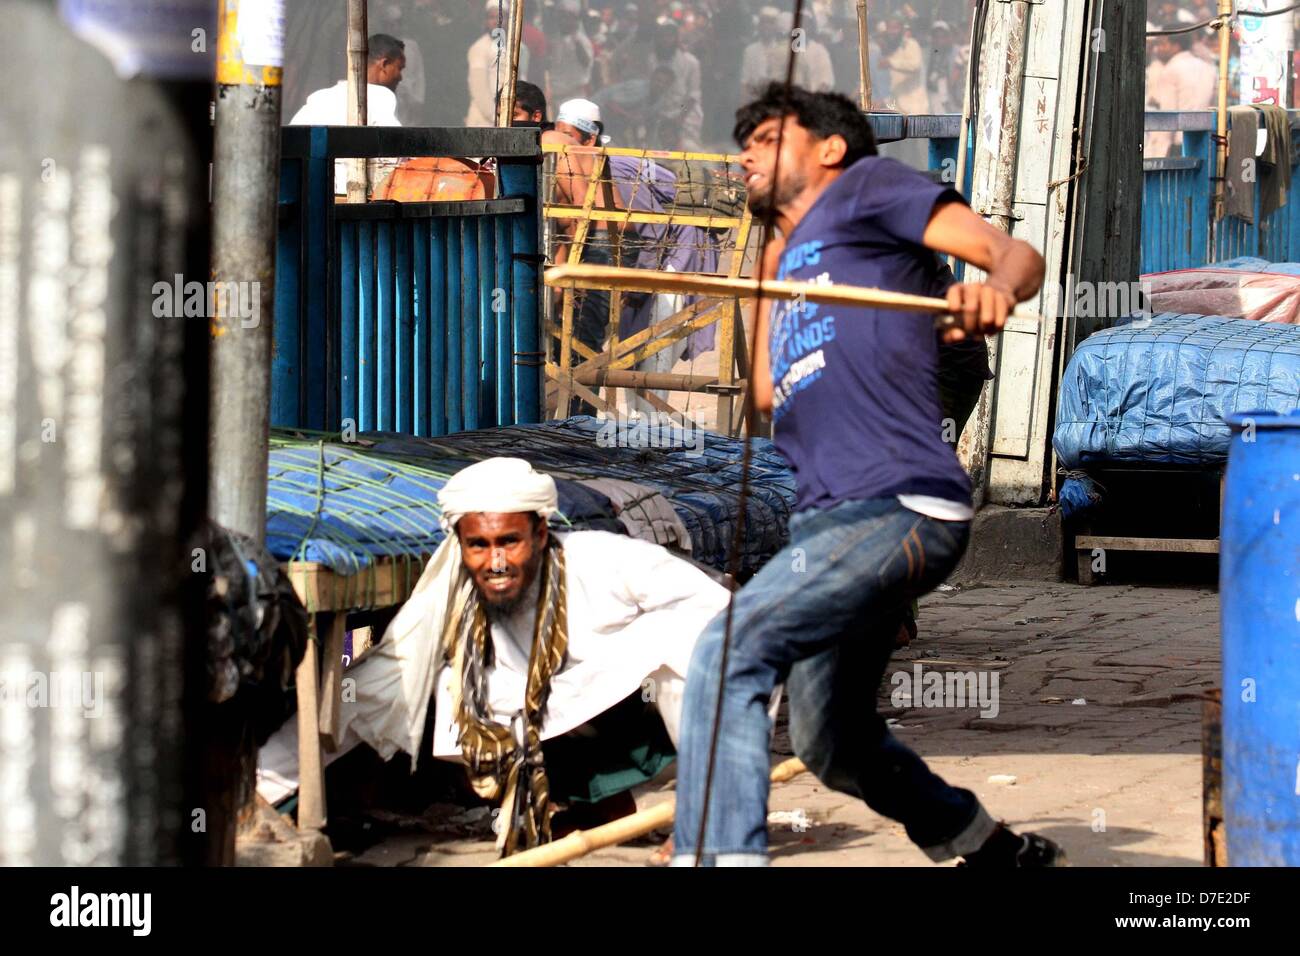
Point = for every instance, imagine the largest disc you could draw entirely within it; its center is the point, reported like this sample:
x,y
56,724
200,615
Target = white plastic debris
x,y
796,819
1006,779
1079,700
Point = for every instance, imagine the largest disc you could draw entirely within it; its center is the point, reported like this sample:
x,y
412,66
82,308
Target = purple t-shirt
x,y
856,401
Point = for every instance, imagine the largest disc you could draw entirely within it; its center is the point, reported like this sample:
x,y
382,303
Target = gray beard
x,y
504,610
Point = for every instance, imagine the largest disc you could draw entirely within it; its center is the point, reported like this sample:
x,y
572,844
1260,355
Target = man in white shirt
x,y
556,662
329,107
1185,82
766,58
682,97
906,62
489,64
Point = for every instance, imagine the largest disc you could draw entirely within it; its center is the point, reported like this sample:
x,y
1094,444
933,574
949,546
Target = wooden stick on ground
x,y
582,842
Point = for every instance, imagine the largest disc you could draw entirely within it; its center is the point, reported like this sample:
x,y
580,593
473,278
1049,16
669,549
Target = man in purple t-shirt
x,y
883,507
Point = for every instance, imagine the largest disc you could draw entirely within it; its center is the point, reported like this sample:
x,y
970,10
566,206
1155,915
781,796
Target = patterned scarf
x,y
506,761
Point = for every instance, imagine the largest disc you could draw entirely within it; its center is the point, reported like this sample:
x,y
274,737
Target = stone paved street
x,y
1096,742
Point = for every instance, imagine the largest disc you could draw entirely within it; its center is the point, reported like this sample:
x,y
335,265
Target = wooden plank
x,y
643,352
699,314
731,339
674,321
640,217
387,583
333,628
574,255
730,158
311,773
1166,545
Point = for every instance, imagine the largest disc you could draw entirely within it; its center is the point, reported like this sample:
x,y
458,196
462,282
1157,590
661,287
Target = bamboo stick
x,y
583,276
514,35
582,842
864,59
358,90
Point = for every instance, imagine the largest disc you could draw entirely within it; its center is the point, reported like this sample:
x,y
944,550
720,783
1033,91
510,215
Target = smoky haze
x,y
667,74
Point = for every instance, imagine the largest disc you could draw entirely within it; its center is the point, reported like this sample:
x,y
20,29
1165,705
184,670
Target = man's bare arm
x,y
1013,267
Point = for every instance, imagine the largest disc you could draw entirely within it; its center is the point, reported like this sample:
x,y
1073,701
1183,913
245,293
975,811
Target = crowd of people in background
x,y
667,74
1182,68
1183,63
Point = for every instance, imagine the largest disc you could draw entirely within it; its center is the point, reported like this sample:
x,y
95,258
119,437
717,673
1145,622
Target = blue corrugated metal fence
x,y
1177,192
419,318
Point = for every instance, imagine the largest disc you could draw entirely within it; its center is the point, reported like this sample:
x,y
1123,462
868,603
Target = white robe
x,y
329,107
489,69
635,612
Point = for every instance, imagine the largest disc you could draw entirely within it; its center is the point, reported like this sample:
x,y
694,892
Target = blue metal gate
x,y
419,318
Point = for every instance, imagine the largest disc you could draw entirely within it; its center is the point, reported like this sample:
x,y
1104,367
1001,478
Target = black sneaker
x,y
1006,849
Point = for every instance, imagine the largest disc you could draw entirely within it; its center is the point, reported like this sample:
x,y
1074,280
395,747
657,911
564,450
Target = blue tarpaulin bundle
x,y
1080,493
1160,390
1251,264
697,471
344,504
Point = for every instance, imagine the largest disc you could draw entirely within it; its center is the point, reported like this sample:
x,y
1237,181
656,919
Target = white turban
x,y
497,486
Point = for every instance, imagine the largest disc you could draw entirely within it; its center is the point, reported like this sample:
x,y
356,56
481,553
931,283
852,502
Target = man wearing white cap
x,y
555,661
580,119
489,64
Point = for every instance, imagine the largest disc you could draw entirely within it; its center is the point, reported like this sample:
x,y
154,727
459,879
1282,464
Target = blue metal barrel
x,y
1259,587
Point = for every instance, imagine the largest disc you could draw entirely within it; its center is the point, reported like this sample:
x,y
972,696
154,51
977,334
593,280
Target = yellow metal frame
x,y
733,360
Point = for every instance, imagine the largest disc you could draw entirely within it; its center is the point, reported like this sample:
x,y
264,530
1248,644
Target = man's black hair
x,y
530,98
822,114
385,47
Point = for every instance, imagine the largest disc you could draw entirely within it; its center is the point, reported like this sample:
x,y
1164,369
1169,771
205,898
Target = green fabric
x,y
620,749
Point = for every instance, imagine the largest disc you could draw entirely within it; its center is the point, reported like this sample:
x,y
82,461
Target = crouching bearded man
x,y
555,661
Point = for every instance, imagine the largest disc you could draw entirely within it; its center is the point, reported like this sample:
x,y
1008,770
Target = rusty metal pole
x,y
358,90
1000,214
245,186
245,183
864,58
1221,137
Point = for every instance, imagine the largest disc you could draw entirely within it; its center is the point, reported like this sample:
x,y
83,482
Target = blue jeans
x,y
821,616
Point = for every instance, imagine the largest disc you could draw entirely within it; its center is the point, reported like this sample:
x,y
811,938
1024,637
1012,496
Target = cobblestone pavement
x,y
1095,743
